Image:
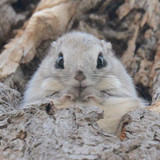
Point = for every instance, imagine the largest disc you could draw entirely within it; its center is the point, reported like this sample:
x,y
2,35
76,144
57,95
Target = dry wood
x,y
44,24
45,132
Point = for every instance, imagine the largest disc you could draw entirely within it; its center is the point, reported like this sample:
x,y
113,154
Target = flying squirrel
x,y
80,69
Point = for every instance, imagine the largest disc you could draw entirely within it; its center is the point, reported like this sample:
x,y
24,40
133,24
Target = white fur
x,y
110,88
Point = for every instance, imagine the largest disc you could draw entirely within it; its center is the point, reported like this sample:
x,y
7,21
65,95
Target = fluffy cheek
x,y
109,82
52,85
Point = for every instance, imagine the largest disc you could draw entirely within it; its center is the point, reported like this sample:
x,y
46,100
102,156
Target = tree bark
x,y
45,132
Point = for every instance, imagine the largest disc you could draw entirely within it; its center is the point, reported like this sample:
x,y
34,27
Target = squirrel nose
x,y
80,76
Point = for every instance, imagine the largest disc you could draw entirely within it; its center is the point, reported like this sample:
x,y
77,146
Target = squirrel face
x,y
82,67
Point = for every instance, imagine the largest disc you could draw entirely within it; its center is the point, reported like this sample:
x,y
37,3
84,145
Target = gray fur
x,y
109,88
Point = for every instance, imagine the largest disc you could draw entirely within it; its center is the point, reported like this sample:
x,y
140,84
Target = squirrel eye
x,y
60,61
101,61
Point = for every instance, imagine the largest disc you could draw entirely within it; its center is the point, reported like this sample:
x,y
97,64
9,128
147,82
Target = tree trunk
x,y
45,132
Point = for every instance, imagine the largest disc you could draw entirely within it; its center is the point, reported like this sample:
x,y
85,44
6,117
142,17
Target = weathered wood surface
x,y
11,18
45,132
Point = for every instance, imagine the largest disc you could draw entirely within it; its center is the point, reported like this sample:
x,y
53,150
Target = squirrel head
x,y
81,67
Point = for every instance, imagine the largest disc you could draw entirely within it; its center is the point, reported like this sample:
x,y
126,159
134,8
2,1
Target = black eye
x,y
60,61
101,62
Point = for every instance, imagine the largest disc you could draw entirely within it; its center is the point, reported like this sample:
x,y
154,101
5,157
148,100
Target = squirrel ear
x,y
52,48
106,44
107,47
53,44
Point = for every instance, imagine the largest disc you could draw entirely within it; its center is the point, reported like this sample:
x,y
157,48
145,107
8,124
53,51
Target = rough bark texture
x,y
9,99
45,132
